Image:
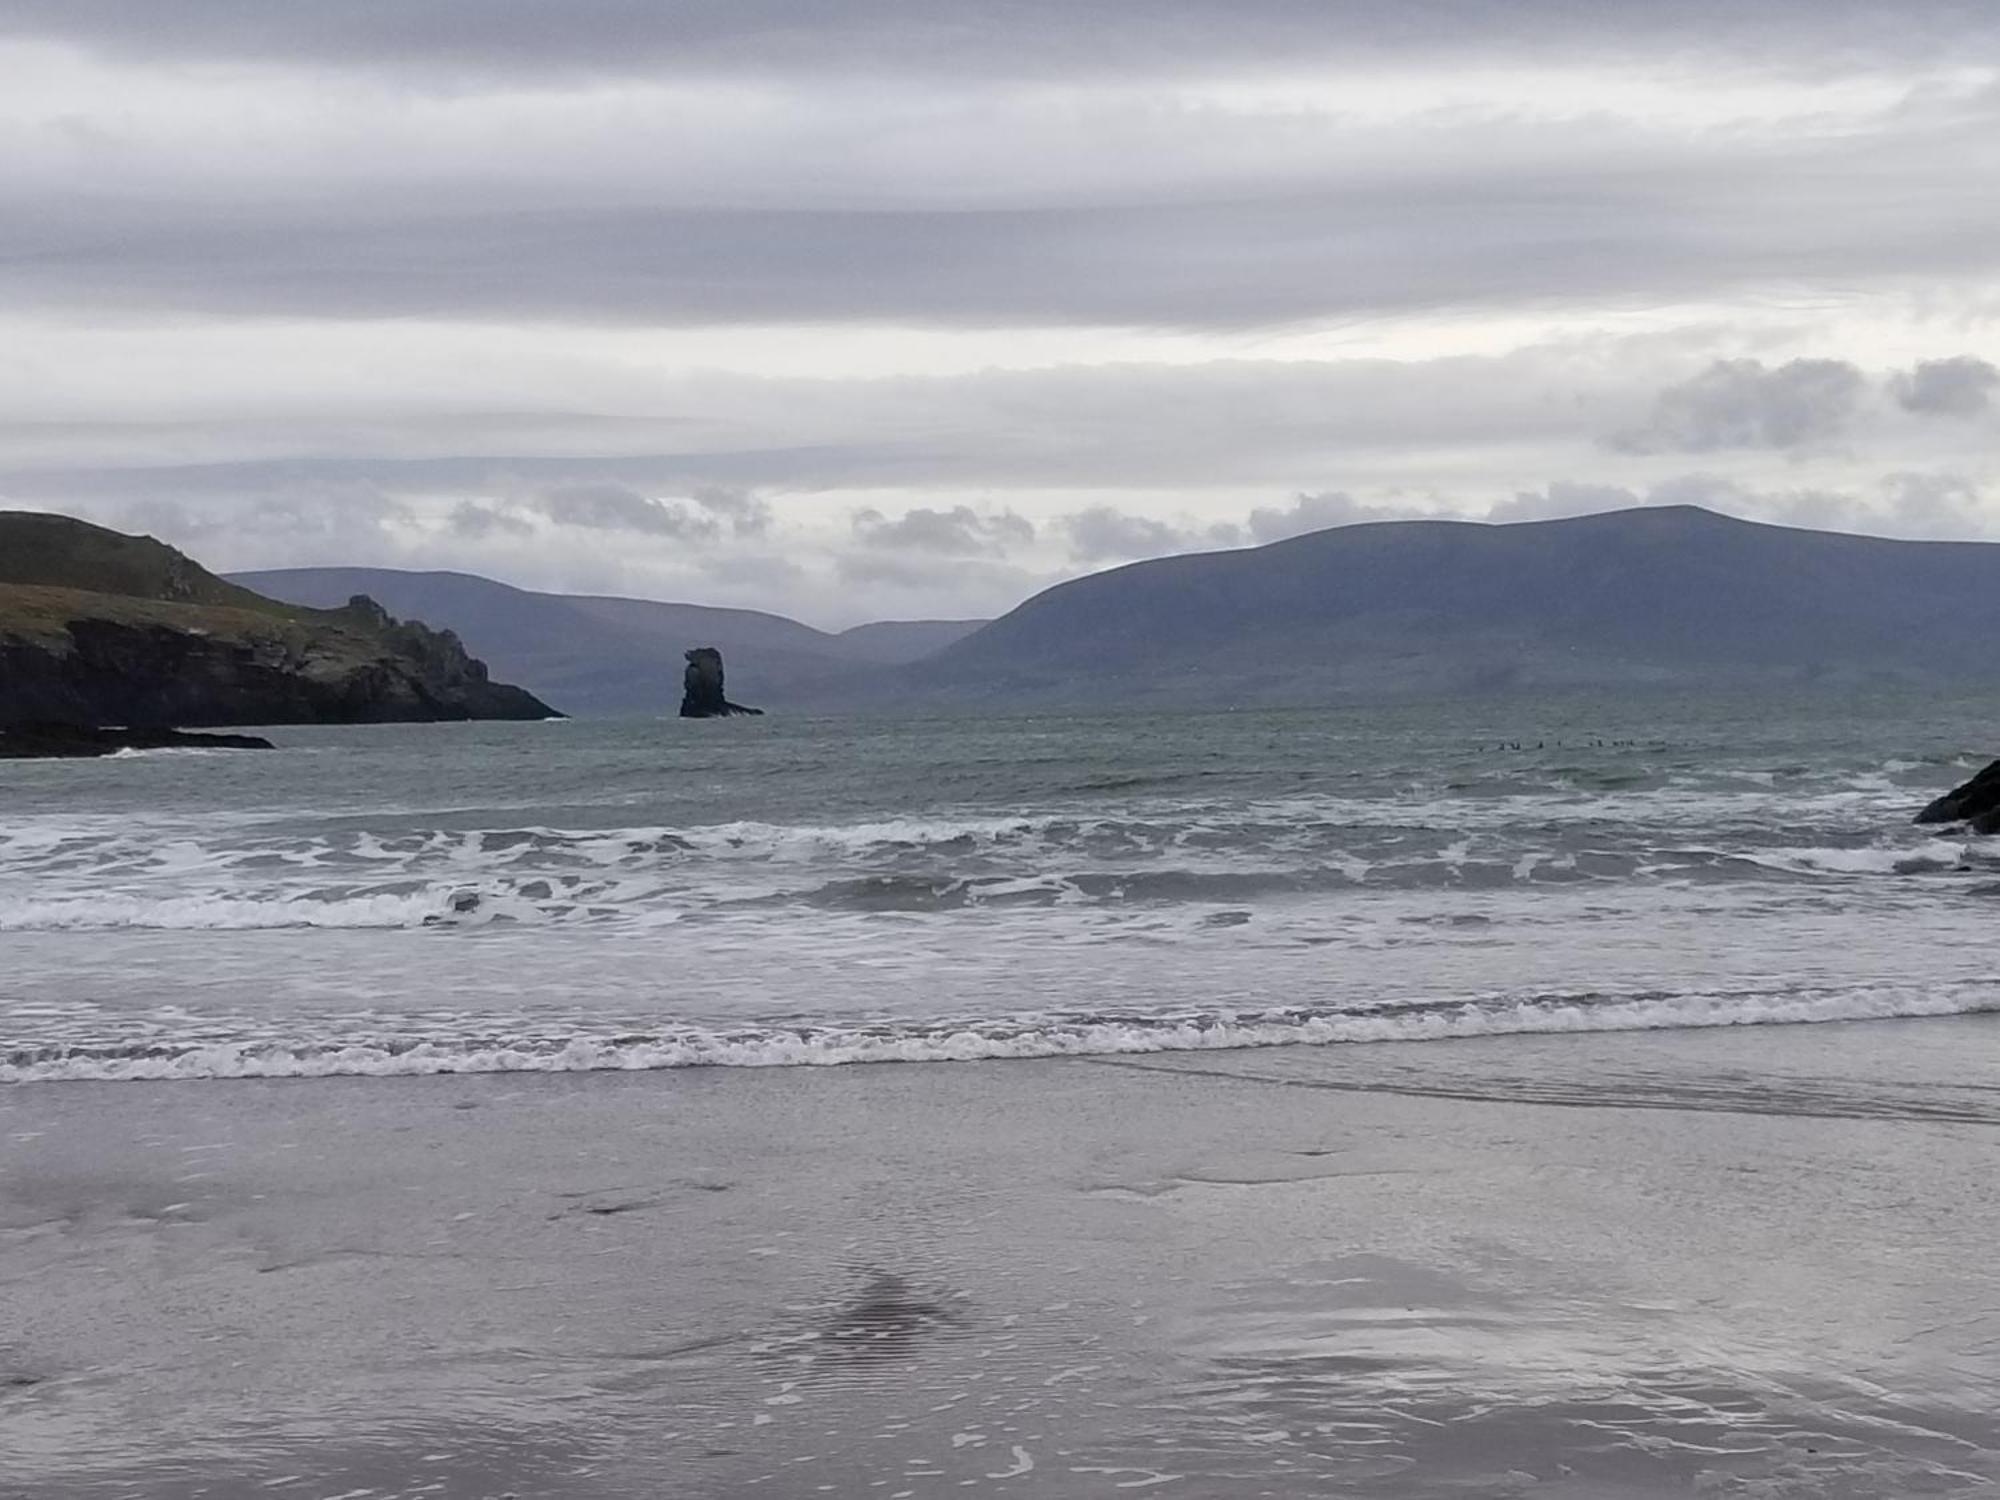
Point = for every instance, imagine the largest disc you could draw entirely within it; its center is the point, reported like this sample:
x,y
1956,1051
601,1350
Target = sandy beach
x,y
1754,1261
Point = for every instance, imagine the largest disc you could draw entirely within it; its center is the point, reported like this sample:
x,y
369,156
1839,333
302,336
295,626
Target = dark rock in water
x,y
73,742
1977,803
702,696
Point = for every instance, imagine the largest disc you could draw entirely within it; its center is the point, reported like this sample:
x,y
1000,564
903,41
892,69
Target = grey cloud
x,y
746,515
1468,236
1958,387
1742,403
614,507
513,474
958,532
1223,424
962,37
473,520
1103,533
1227,428
1936,505
1142,220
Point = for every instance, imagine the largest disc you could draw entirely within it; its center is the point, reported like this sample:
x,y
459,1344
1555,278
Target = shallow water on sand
x,y
1748,1264
472,898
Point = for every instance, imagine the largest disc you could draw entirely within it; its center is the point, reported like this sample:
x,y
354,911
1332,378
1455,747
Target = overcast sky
x,y
857,309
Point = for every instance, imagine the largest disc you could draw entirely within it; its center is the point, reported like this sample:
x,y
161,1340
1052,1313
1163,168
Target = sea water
x,y
793,890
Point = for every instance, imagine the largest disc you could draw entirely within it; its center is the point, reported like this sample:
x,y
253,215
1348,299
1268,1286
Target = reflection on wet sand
x,y
1590,1268
884,1320
1365,1373
331,1459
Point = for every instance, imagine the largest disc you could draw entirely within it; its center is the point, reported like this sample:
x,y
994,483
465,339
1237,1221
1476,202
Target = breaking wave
x,y
81,879
418,1052
234,914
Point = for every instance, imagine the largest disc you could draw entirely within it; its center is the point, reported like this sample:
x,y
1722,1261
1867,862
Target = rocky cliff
x,y
101,628
1976,804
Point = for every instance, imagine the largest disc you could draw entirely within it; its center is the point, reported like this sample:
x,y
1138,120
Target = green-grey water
x,y
791,890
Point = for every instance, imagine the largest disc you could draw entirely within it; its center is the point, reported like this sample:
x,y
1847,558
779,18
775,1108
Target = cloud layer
x,y
865,308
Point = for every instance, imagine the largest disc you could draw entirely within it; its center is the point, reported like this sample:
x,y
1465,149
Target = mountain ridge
x,y
1391,608
1651,596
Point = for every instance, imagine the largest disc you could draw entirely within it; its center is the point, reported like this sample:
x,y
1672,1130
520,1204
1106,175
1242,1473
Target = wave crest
x,y
389,1055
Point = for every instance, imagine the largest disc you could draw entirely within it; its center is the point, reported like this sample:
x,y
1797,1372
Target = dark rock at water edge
x,y
163,673
97,627
73,742
1977,803
702,696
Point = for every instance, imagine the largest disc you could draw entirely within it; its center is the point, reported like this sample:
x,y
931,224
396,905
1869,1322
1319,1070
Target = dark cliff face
x,y
195,651
112,672
1976,804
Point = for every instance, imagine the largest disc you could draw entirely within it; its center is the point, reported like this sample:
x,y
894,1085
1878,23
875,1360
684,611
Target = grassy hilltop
x,y
104,628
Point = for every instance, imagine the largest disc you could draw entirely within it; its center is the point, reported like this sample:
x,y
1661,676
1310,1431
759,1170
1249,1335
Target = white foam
x,y
838,1045
225,913
1871,859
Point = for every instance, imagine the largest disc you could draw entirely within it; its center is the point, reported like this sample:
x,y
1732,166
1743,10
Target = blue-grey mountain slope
x,y
602,656
1430,608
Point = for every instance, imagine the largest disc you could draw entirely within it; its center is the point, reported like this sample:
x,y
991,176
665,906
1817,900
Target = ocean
x,y
1388,1102
578,895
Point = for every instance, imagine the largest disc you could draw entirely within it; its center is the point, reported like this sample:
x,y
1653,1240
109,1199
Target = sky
x,y
857,310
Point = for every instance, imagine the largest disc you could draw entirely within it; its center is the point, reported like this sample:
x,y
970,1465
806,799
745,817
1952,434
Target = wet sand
x,y
1751,1262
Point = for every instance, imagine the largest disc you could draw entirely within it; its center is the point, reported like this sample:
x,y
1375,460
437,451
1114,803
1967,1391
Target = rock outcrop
x,y
1976,803
702,696
68,742
101,628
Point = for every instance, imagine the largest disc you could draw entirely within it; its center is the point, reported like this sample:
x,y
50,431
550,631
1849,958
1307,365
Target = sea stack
x,y
702,696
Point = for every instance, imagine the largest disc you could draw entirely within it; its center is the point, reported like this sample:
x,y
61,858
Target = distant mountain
x,y
598,655
895,641
1422,608
1665,596
101,628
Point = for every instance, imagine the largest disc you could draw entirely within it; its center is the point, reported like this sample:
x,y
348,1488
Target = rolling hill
x,y
1659,596
1433,608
